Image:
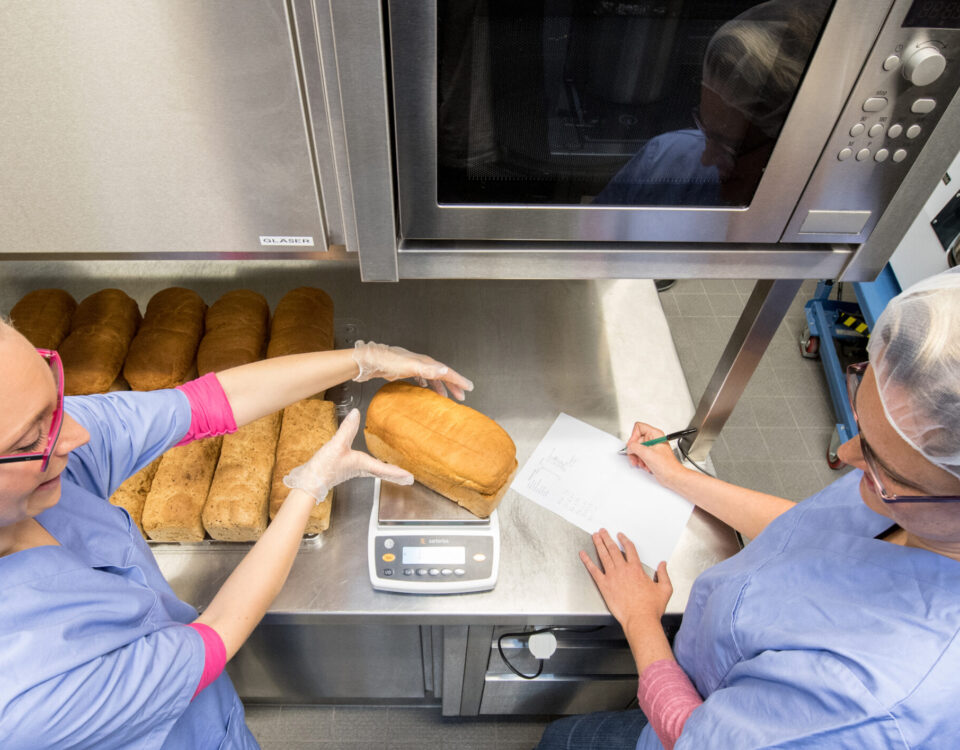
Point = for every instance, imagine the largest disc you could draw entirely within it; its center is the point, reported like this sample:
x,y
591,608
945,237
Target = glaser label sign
x,y
287,241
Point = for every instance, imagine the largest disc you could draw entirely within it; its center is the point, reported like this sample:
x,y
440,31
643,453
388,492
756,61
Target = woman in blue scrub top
x,y
96,651
838,625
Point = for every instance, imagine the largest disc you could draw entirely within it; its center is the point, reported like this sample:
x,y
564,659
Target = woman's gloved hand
x,y
394,363
658,460
337,462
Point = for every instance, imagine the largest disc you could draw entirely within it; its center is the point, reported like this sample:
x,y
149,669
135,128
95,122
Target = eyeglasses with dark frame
x,y
730,150
56,419
854,376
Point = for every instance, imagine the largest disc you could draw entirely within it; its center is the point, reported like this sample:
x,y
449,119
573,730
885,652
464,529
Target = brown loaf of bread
x,y
43,316
161,354
236,331
307,426
302,322
174,506
93,353
133,492
451,448
236,507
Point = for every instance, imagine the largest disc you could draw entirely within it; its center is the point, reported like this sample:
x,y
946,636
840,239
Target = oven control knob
x,y
924,66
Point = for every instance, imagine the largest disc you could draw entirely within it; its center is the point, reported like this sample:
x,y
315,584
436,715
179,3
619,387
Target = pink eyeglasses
x,y
56,419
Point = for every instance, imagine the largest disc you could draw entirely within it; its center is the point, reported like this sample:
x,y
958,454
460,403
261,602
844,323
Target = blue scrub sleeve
x,y
128,429
791,699
127,698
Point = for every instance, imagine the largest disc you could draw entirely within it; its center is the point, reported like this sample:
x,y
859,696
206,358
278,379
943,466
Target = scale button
x,y
388,543
434,572
479,557
446,572
389,557
408,571
388,572
421,571
460,572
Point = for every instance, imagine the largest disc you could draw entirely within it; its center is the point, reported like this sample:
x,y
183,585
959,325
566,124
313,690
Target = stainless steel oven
x,y
627,137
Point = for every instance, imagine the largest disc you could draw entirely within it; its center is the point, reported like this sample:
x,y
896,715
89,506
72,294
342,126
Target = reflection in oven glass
x,y
609,102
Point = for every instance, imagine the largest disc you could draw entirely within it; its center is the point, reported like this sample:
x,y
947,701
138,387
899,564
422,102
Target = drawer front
x,y
556,694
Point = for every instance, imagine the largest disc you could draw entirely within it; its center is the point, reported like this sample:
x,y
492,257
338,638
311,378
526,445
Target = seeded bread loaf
x,y
174,506
93,353
451,448
236,331
307,426
43,316
162,353
132,494
236,507
302,322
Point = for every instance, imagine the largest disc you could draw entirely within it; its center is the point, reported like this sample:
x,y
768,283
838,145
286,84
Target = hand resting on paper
x,y
635,599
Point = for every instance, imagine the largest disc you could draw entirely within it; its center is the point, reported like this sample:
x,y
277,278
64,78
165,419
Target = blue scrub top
x,y
665,172
818,635
93,648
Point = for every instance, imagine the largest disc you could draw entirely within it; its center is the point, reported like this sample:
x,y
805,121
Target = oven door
x,y
628,121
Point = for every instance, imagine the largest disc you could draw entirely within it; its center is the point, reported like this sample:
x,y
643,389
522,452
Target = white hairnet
x,y
754,62
915,354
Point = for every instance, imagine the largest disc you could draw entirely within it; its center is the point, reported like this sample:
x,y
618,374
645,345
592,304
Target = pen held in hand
x,y
664,438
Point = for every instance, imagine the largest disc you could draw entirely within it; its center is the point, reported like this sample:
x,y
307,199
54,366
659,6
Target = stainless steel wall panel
x,y
153,127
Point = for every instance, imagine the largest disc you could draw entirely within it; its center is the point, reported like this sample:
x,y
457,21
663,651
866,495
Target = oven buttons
x,y
891,63
845,154
895,130
913,131
875,130
874,103
881,155
863,154
900,154
857,129
922,106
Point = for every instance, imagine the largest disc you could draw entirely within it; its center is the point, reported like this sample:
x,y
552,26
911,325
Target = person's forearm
x,y
648,643
245,596
747,511
264,387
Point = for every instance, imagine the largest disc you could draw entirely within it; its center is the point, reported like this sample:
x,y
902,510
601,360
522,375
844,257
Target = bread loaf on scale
x,y
454,450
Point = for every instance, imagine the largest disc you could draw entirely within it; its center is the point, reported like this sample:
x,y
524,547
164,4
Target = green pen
x,y
664,438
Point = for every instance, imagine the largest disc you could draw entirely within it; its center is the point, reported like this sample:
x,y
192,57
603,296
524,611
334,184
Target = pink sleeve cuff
x,y
215,655
210,412
667,698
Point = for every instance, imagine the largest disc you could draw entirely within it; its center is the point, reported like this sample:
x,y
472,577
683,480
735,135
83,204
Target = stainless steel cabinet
x,y
156,127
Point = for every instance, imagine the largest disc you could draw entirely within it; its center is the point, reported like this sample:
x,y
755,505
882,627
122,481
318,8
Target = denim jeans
x,y
603,730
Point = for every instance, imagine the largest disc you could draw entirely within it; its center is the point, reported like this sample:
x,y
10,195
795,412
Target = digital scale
x,y
420,542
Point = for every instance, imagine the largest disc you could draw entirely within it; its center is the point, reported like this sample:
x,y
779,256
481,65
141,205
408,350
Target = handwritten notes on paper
x,y
577,472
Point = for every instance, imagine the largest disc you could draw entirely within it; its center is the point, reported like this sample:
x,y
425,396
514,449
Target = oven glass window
x,y
610,102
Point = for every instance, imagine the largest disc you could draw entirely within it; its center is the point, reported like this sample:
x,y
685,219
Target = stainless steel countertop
x,y
600,351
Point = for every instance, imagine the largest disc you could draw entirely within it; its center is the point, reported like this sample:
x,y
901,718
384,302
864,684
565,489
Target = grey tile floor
x,y
775,441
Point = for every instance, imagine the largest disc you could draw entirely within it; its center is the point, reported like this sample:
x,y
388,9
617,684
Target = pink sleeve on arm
x,y
210,412
215,655
667,698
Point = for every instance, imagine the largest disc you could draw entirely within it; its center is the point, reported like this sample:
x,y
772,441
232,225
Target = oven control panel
x,y
908,80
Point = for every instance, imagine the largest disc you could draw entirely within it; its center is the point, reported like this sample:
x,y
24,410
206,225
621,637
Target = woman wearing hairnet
x,y
96,651
837,625
751,73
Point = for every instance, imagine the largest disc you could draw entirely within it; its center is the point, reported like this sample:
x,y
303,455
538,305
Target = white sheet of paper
x,y
577,472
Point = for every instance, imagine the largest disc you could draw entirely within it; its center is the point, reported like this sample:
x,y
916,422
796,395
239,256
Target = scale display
x,y
421,543
434,555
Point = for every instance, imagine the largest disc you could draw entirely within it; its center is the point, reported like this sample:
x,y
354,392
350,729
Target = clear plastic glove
x,y
337,462
393,363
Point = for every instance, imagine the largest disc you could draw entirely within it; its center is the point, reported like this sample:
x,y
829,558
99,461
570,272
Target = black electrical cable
x,y
527,634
